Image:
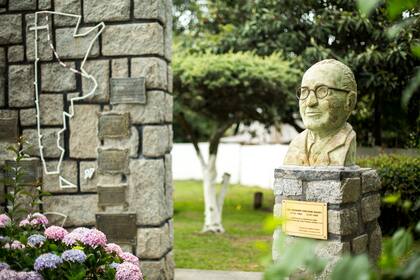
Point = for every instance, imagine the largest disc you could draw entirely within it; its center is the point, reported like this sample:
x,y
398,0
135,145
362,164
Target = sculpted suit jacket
x,y
340,150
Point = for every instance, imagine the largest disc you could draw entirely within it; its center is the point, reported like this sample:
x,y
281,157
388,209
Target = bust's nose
x,y
311,100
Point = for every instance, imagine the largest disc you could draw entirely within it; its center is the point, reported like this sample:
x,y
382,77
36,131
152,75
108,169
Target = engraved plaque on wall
x,y
305,219
128,90
119,228
31,171
112,195
113,125
9,129
113,161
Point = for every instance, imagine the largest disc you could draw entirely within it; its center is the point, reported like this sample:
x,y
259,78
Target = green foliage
x,y
400,179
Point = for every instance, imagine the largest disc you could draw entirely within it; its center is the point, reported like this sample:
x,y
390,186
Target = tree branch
x,y
217,135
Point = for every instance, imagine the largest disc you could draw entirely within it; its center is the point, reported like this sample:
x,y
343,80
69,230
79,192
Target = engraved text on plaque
x,y
113,161
119,228
128,90
113,125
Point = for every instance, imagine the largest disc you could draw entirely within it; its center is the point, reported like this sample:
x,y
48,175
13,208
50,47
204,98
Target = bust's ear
x,y
351,101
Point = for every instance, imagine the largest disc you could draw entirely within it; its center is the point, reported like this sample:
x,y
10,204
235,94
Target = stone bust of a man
x,y
327,96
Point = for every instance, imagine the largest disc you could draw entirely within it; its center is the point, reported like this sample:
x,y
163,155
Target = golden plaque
x,y
305,219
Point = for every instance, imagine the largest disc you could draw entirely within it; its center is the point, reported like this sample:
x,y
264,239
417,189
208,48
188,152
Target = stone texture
x,y
131,143
106,10
277,210
154,69
343,222
100,71
371,207
333,191
133,39
350,188
152,243
19,5
153,270
51,107
21,86
169,185
170,80
80,209
44,4
330,248
375,244
83,131
119,68
55,78
2,193
6,154
156,140
150,9
68,170
317,173
151,113
169,267
287,187
28,117
13,33
359,244
44,50
370,181
71,47
169,104
2,77
49,142
146,195
168,31
69,7
86,184
15,53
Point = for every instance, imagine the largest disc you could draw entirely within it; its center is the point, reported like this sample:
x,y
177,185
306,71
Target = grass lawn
x,y
237,248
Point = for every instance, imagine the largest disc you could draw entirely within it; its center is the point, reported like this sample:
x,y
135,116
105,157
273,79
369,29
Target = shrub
x,y
400,179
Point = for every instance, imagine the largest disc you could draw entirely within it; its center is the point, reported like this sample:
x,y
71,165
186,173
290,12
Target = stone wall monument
x,y
117,145
319,189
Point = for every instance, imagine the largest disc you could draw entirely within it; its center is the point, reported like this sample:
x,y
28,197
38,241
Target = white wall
x,y
251,165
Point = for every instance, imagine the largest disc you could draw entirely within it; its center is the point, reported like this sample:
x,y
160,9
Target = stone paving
x,y
194,274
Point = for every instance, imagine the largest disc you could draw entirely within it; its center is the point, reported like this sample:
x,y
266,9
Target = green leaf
x,y
415,49
401,242
367,6
392,198
352,268
408,92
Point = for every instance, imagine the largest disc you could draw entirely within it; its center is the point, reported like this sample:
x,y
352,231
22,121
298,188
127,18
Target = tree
x,y
227,89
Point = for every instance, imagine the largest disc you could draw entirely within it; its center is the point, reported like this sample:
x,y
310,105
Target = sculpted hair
x,y
348,81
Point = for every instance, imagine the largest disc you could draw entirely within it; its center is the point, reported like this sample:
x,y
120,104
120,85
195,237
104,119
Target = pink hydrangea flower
x,y
94,238
4,220
55,233
24,223
128,257
113,248
74,236
38,219
16,245
128,271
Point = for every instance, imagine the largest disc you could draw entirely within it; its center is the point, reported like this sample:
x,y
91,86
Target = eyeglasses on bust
x,y
321,91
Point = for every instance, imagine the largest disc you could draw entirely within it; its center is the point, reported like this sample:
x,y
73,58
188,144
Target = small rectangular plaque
x,y
305,219
9,129
113,161
113,125
128,90
111,195
119,228
31,170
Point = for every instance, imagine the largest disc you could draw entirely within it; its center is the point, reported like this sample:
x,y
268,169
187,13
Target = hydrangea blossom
x,y
8,274
94,238
128,257
113,248
47,261
55,233
15,245
114,265
74,256
128,271
74,236
81,230
24,223
31,275
4,265
4,220
36,240
38,219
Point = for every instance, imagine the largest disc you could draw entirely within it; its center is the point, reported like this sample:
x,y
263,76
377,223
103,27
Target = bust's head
x,y
327,96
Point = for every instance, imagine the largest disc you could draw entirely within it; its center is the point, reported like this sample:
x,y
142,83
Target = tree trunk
x,y
377,123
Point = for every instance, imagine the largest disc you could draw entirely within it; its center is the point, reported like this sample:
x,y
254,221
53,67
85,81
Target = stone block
x,y
155,140
375,244
169,104
152,243
80,209
370,181
87,183
49,142
69,7
20,5
119,68
168,31
51,107
334,191
99,69
131,143
146,195
6,154
287,187
56,78
152,112
169,267
150,9
320,173
83,131
153,270
15,53
133,39
371,207
44,4
13,33
359,244
329,249
45,52
154,69
350,189
106,10
2,77
21,86
169,185
71,47
27,117
170,80
277,210
68,170
343,222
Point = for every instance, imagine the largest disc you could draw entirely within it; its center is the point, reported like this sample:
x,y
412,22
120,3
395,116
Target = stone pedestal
x,y
353,204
